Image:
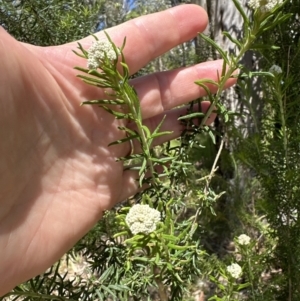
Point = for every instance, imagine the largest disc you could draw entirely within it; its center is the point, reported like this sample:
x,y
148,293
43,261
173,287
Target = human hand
x,y
57,173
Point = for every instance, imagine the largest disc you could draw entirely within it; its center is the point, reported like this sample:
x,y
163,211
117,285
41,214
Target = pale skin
x,y
57,173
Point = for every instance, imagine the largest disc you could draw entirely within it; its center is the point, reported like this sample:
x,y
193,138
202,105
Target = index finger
x,y
150,36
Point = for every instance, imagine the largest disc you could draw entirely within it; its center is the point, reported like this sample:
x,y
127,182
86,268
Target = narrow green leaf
x,y
232,39
91,79
241,11
117,114
146,131
169,266
95,37
128,158
192,115
176,247
143,167
159,125
178,277
119,287
170,237
94,72
207,81
216,46
243,285
221,286
156,132
120,234
262,73
280,18
129,131
106,274
162,160
157,259
257,46
207,90
79,54
212,136
84,52
109,291
223,70
125,70
143,259
100,295
85,70
102,85
123,140
103,102
134,238
123,44
142,172
161,134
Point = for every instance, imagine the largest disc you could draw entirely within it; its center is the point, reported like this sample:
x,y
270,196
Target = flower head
x,y
275,69
234,270
264,5
142,219
98,51
243,239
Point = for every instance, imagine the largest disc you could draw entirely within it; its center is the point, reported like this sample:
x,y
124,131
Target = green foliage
x,y
273,153
49,22
114,14
168,257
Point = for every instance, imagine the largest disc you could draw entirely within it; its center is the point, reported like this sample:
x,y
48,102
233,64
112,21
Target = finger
x,y
163,91
150,36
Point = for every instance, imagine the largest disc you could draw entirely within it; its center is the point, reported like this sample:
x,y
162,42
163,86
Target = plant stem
x,y
134,106
228,74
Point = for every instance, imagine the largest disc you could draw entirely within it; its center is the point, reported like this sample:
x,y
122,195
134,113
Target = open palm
x,y
57,173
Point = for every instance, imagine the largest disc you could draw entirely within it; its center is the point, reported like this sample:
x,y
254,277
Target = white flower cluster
x,y
97,53
234,270
243,239
142,219
275,69
264,5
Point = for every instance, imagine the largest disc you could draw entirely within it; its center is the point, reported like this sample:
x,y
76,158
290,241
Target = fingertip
x,y
191,15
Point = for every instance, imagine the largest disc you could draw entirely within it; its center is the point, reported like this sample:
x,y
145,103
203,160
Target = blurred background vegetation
x,y
258,167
